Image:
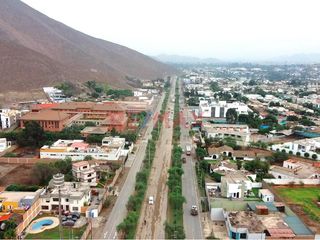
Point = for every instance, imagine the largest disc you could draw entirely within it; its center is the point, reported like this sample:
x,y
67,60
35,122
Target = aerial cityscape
x,y
145,139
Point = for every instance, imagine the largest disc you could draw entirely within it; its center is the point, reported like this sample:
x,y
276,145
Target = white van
x,y
151,200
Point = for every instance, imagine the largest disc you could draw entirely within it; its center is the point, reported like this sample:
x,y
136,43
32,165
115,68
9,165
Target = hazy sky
x,y
226,29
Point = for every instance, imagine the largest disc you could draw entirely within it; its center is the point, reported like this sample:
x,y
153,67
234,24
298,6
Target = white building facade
x,y
219,109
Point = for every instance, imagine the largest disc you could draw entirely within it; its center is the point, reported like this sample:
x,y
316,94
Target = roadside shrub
x,y
298,154
314,156
22,188
306,155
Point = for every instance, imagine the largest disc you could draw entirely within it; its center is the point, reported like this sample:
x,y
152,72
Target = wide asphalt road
x,y
192,224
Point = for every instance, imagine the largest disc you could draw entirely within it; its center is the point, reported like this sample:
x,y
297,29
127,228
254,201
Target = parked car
x,y
68,223
75,214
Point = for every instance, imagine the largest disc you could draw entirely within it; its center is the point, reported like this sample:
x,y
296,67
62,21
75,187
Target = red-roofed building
x,y
56,116
5,217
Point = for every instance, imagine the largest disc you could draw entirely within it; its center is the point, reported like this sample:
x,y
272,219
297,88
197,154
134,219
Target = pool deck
x,y
53,225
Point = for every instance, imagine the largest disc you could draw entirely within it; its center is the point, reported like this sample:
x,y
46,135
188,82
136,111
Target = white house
x,y
235,185
74,196
294,169
112,149
308,147
266,195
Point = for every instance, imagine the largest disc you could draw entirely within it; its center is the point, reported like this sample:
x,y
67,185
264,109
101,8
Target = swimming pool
x,y
42,223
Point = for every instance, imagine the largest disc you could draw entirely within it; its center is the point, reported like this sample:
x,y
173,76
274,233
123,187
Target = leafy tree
x,y
193,101
279,157
257,166
239,164
69,89
252,82
306,122
10,230
200,153
231,142
292,118
214,86
231,116
32,135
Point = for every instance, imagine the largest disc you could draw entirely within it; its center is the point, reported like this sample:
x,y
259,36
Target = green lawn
x,y
304,196
76,233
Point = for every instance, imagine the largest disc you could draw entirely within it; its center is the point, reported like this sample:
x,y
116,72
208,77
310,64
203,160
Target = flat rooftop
x,y
246,219
16,196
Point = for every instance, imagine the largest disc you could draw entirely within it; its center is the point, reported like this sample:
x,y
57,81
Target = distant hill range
x,y
296,59
178,59
37,51
289,59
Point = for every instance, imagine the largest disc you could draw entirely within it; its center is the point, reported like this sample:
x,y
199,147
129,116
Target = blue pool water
x,y
41,223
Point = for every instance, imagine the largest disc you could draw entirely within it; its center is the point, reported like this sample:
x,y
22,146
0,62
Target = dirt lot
x,y
6,168
26,152
21,174
313,225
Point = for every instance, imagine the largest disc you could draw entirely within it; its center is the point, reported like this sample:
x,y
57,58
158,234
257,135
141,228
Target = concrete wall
x,y
290,181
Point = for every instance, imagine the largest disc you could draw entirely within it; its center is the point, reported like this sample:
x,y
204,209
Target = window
x,y
243,235
44,207
55,199
75,209
47,200
67,199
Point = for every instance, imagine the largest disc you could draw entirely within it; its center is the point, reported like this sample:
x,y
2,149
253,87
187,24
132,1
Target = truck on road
x,y
194,210
188,150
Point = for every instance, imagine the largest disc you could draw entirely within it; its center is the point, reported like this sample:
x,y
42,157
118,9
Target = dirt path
x,y
153,217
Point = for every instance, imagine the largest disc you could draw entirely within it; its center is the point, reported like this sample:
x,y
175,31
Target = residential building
x,y
308,147
85,172
235,185
74,197
4,144
216,152
8,117
294,169
218,109
54,94
112,149
266,195
239,132
19,202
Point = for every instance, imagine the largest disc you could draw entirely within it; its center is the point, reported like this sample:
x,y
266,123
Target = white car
x,y
151,200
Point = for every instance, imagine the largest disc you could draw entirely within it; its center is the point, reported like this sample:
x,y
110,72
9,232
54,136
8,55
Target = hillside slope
x,y
36,51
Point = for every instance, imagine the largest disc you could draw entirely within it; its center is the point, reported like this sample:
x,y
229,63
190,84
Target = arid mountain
x,y
37,51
